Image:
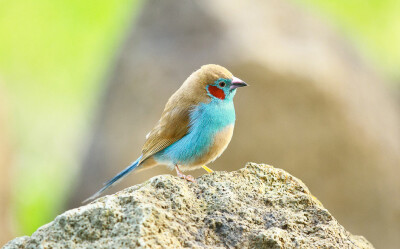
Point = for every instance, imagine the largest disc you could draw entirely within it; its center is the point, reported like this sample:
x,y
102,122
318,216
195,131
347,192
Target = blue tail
x,y
115,179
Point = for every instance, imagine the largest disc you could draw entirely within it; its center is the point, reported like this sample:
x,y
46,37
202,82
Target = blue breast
x,y
206,120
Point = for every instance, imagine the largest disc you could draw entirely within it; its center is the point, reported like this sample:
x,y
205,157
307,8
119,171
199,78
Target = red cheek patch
x,y
216,92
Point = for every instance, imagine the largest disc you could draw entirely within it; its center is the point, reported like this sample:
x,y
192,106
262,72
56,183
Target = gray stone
x,y
256,207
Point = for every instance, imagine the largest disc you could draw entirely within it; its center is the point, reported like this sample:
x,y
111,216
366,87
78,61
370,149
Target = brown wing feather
x,y
173,125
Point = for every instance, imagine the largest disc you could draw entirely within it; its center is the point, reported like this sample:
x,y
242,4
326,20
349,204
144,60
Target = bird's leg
x,y
181,175
207,169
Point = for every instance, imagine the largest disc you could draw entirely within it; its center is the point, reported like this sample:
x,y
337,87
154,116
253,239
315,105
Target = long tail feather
x,y
114,180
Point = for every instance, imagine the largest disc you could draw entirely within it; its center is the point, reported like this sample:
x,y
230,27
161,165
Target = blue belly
x,y
206,120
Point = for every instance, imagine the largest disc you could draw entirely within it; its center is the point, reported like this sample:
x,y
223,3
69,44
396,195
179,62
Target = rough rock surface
x,y
256,207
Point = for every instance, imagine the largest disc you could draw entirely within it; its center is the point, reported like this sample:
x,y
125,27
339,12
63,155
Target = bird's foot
x,y
207,169
181,175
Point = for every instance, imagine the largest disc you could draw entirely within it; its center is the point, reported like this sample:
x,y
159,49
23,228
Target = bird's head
x,y
219,84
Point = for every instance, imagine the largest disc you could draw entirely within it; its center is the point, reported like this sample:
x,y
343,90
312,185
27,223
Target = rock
x,y
256,207
314,107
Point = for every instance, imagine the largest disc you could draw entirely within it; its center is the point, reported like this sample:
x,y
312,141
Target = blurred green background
x,y
372,25
55,56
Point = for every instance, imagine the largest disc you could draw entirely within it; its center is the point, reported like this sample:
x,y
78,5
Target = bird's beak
x,y
236,82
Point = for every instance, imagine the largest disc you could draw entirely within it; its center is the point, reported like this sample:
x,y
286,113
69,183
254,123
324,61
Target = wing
x,y
173,125
175,119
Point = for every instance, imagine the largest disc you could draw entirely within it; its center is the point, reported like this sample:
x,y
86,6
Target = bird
x,y
195,127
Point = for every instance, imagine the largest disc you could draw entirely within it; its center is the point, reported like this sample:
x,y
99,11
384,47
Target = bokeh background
x,y
82,82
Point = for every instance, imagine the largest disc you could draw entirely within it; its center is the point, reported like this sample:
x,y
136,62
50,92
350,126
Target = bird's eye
x,y
222,84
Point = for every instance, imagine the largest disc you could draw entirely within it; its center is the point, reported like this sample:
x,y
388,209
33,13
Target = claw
x,y
207,169
190,178
186,177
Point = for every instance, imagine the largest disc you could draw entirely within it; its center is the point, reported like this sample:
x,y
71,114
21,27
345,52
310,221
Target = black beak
x,y
236,82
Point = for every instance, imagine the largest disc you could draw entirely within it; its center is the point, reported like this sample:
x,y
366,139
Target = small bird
x,y
195,127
